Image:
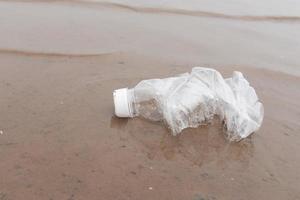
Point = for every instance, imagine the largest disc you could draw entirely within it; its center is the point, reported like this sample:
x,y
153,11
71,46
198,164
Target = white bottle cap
x,y
122,103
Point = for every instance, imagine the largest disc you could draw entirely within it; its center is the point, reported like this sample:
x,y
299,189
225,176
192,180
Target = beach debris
x,y
206,197
194,99
1,132
150,188
198,197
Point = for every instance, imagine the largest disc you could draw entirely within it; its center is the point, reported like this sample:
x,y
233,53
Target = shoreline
x,y
197,40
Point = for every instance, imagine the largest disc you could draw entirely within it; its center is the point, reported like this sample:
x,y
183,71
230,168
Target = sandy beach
x,y
60,62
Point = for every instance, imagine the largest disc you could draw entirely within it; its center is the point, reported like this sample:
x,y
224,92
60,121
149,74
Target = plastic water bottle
x,y
193,99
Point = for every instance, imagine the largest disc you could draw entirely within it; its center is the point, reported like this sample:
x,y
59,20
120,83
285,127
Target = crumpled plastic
x,y
193,99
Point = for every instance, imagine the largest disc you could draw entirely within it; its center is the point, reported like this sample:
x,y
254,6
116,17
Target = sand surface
x,y
59,139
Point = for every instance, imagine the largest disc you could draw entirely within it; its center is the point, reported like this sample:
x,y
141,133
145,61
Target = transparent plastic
x,y
193,99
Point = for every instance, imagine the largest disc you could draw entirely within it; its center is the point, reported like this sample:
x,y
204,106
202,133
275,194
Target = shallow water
x,y
60,62
229,7
83,28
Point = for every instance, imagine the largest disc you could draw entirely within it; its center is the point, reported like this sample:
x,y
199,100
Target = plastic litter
x,y
194,99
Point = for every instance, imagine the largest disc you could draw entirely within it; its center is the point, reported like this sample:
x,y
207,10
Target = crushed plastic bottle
x,y
193,99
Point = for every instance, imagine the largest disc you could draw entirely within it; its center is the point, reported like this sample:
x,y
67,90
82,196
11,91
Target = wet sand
x,y
60,139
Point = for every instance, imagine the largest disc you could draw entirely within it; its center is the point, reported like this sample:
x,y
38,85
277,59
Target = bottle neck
x,y
131,102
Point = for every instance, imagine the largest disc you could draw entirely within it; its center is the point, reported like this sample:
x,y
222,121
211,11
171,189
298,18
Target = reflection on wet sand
x,y
200,145
118,123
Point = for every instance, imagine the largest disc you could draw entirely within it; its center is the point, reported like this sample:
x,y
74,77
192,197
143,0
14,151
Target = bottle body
x,y
146,108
